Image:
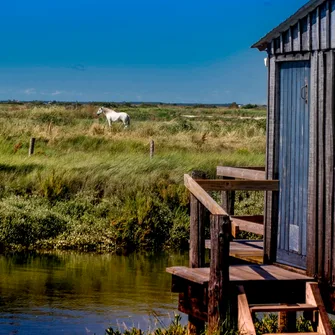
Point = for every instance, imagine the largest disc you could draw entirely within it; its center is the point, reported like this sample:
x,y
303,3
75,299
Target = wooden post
x,y
152,149
31,146
287,322
218,286
228,200
197,248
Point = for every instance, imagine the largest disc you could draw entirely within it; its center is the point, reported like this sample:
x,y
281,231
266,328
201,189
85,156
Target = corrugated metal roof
x,y
292,20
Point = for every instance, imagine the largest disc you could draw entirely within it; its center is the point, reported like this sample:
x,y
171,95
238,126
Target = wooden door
x,y
293,152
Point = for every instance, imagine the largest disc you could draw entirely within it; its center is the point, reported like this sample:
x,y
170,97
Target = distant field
x,y
88,185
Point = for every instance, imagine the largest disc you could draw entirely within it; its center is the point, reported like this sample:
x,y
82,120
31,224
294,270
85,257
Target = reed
x,y
126,199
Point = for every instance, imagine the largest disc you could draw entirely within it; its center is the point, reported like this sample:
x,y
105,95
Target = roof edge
x,y
285,25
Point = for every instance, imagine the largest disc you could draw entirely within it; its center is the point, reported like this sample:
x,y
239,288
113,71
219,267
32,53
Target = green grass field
x,y
91,187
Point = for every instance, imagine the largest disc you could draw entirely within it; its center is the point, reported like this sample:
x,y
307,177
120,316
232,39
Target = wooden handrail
x,y
203,196
238,185
243,173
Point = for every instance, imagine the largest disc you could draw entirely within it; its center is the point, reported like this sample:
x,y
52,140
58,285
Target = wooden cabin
x,y
296,259
299,219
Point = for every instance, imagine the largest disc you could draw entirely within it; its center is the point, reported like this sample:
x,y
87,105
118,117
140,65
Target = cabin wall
x,y
321,197
314,32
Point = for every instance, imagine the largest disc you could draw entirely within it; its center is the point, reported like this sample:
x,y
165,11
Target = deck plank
x,y
243,247
240,274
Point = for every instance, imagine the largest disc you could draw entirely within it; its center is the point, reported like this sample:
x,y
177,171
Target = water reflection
x,y
68,293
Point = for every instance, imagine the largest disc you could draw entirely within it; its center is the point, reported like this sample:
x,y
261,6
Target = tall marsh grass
x,y
100,182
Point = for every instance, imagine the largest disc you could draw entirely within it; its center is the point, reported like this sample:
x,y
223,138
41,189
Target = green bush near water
x,y
89,187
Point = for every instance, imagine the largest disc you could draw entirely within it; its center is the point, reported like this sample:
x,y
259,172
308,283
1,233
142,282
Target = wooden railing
x,y
222,226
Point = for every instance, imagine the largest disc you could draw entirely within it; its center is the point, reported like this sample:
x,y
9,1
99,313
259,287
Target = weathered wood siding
x,y
314,32
321,195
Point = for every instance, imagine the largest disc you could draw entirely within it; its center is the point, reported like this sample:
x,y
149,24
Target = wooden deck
x,y
240,274
248,250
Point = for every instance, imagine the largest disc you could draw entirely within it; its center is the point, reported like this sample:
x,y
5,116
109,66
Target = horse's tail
x,y
128,120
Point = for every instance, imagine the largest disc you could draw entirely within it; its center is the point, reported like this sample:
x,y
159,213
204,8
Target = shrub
x,y
25,221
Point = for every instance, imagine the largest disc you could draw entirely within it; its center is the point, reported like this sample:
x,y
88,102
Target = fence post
x,y
152,149
31,146
218,286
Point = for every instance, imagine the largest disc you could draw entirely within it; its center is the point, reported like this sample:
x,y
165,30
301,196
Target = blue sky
x,y
130,50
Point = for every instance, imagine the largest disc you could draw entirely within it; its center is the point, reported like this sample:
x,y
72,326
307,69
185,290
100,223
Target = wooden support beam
x,y
203,196
218,286
244,319
282,307
243,173
250,218
248,226
228,201
197,233
198,214
287,321
238,185
313,296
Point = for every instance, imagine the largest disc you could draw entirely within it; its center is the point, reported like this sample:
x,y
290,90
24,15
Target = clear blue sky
x,y
137,50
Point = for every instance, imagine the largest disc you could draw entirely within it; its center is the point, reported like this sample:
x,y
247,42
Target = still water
x,y
68,293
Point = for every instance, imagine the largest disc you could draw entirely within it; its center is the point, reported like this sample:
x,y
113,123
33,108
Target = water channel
x,y
71,293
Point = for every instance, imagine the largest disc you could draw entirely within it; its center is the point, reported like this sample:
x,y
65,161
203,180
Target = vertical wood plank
x,y
281,43
315,29
296,37
197,229
197,248
271,198
218,286
321,166
313,170
329,163
332,24
309,33
324,25
228,200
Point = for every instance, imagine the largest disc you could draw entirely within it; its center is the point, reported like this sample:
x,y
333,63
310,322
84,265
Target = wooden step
x,y
282,308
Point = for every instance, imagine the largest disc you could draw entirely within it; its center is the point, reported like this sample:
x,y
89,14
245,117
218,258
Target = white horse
x,y
113,116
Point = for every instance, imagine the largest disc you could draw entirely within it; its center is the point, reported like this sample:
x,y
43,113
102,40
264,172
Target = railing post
x,y
218,286
228,200
197,248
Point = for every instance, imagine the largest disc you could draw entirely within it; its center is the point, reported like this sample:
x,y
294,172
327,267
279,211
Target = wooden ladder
x,y
313,309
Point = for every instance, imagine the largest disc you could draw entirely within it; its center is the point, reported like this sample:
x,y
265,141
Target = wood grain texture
x,y
218,286
243,173
313,297
329,164
241,274
197,233
271,198
203,196
313,170
245,323
283,307
321,165
238,185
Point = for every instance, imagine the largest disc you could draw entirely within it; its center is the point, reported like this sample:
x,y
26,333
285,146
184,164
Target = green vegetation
x,y
265,325
89,187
